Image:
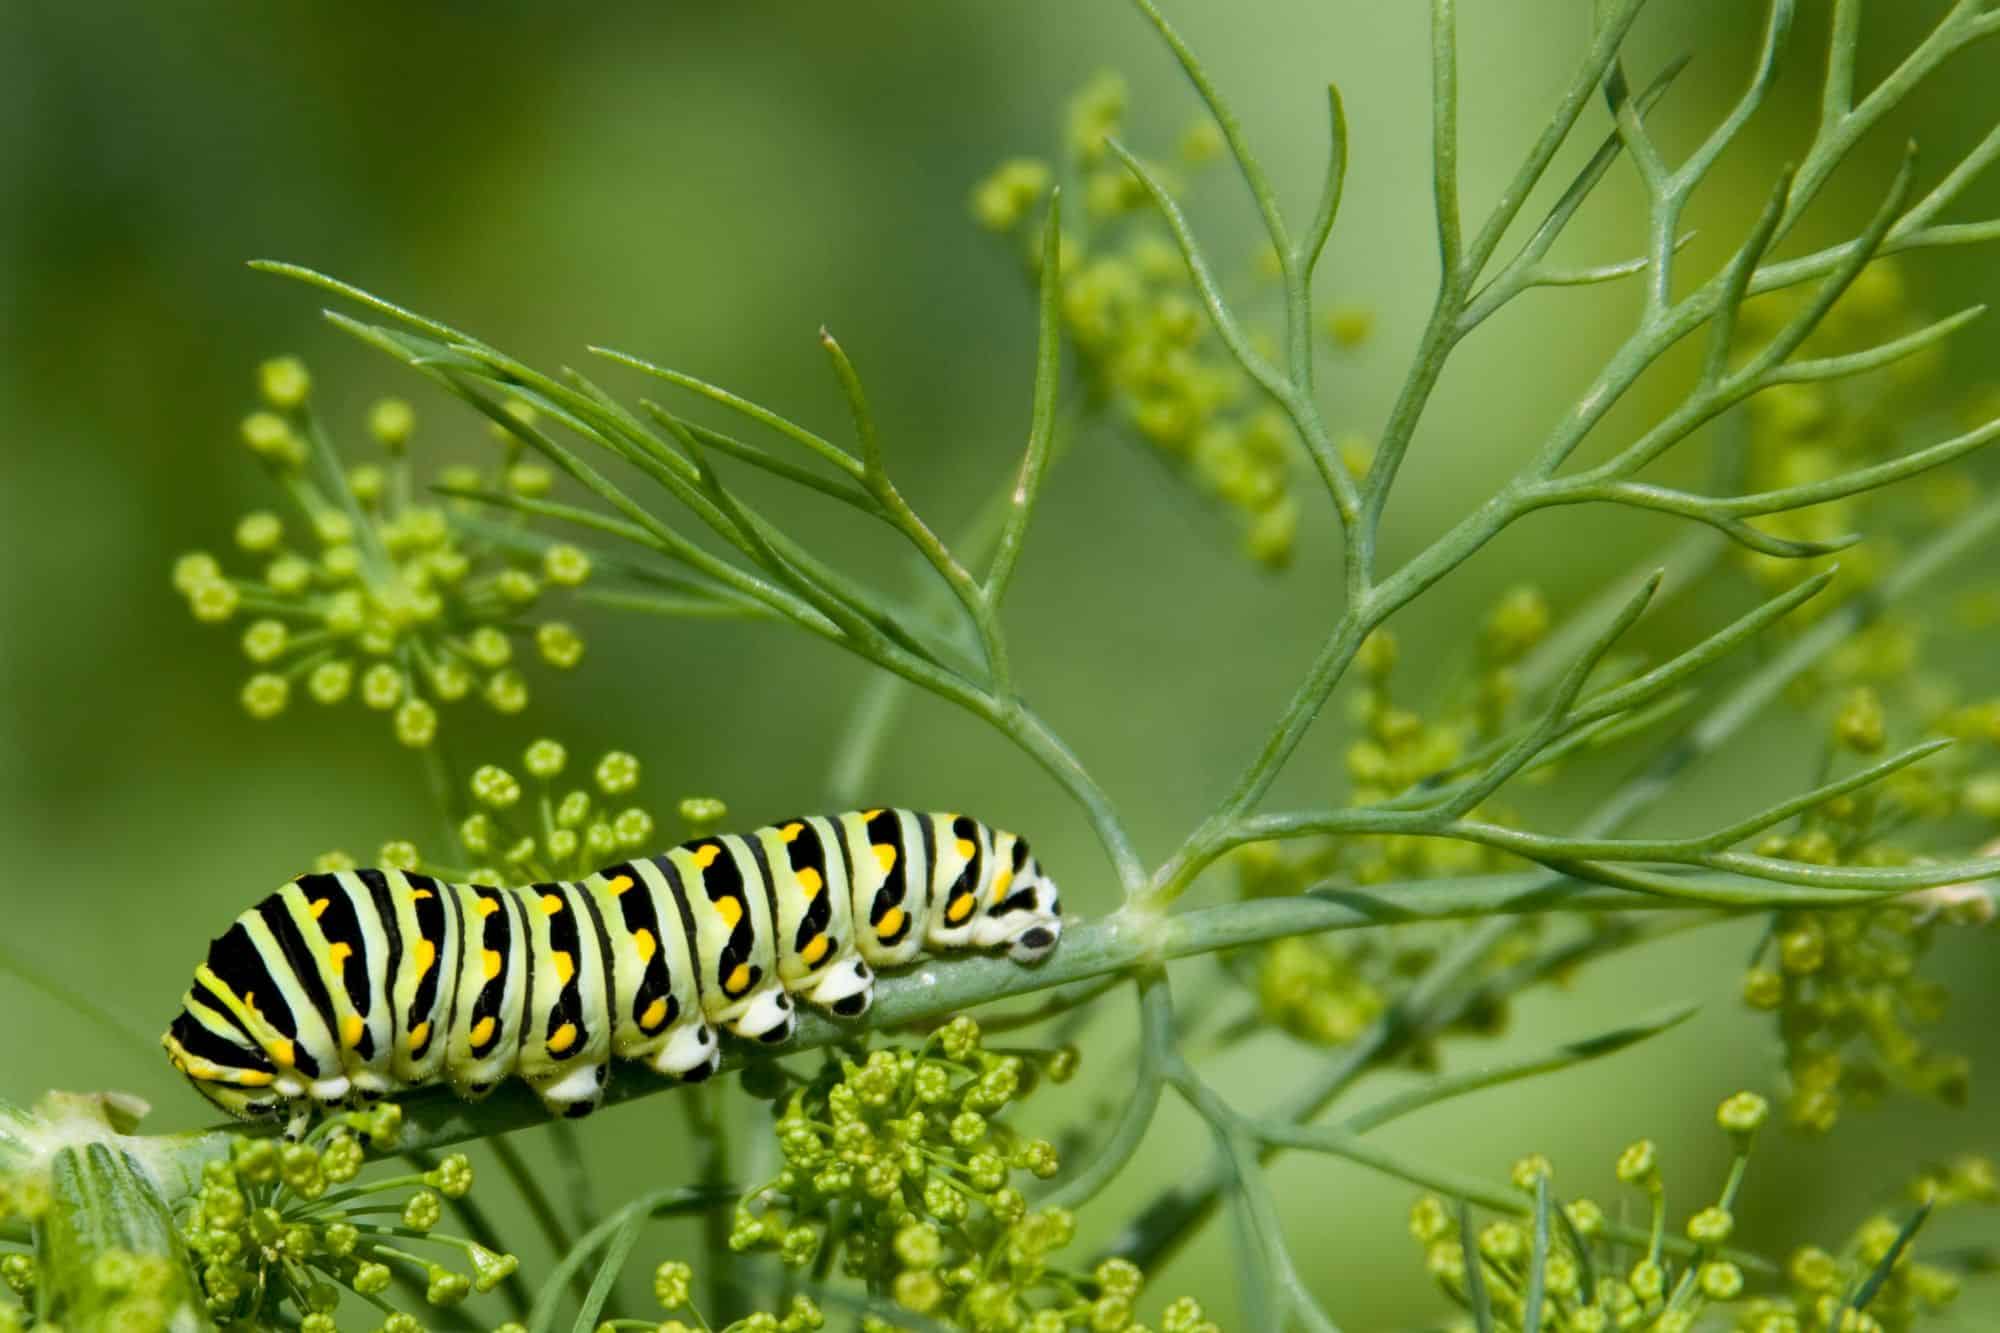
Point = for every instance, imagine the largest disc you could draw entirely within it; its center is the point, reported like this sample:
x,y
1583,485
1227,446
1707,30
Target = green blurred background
x,y
705,185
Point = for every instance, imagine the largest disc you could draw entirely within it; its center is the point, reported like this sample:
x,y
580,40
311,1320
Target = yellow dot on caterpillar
x,y
1000,883
565,965
489,959
960,908
891,922
815,950
487,906
426,955
282,1052
482,1032
338,954
318,907
656,1014
551,903
885,856
730,910
810,882
791,831
870,814
618,884
253,1078
738,980
419,895
704,856
562,1039
352,1029
967,848
643,944
419,1034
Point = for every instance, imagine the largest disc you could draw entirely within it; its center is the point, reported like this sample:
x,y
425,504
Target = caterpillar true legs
x,y
361,983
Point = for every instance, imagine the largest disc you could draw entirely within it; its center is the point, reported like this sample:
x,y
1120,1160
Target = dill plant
x,y
898,1192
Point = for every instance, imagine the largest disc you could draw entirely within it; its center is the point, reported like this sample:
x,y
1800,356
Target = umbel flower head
x,y
1146,345
288,1227
368,590
910,1153
1601,1276
549,826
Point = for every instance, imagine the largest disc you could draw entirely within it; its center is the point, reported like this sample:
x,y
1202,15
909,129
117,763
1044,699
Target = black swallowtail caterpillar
x,y
358,983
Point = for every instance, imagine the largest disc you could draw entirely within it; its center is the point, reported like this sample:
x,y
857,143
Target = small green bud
x,y
506,692
1517,623
260,532
329,682
529,479
1763,988
381,687
672,1281
265,695
390,421
1721,1280
214,601
264,641
271,439
699,811
416,723
565,565
545,758
422,1211
372,1279
559,644
284,382
1860,724
1710,1226
1743,1113
495,787
1639,1164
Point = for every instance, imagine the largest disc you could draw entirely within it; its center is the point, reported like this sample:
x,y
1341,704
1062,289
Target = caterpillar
x,y
351,985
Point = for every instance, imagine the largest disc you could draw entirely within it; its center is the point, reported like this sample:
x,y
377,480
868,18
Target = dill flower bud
x,y
565,565
1860,724
284,382
1517,623
416,723
1639,1165
390,421
1721,1281
265,695
618,773
1743,1113
672,1281
1710,1226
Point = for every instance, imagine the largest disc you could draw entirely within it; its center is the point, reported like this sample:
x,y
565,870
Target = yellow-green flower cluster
x,y
673,1287
1145,343
1600,1277
278,1231
24,1197
368,590
1811,431
910,1152
1329,989
543,828
1846,988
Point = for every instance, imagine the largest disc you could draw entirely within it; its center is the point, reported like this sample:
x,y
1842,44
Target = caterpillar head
x,y
1022,913
223,1072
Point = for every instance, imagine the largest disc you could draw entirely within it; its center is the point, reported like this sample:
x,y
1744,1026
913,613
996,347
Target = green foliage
x,y
1414,902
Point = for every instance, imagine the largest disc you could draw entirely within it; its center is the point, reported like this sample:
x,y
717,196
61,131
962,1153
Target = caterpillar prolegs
x,y
361,983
